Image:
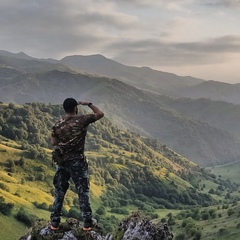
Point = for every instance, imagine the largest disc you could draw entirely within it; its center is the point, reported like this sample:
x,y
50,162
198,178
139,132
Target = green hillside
x,y
228,171
213,223
24,79
128,172
220,114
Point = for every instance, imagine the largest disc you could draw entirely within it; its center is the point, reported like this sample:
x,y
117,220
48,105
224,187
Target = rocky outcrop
x,y
132,228
136,228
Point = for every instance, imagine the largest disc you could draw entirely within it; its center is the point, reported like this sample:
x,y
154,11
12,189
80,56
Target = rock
x,y
132,228
70,230
136,228
69,235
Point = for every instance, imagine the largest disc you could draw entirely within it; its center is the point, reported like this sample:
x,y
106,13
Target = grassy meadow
x,y
228,171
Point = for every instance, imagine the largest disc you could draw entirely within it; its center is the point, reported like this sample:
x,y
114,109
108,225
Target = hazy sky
x,y
200,38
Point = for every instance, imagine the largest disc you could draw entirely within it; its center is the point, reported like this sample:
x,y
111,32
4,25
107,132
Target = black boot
x,y
89,224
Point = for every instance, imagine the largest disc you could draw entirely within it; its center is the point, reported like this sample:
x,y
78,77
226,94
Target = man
x,y
69,135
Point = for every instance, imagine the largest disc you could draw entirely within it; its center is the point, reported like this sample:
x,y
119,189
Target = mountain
x,y
223,115
213,90
144,77
131,108
156,81
127,106
129,171
147,78
20,55
25,64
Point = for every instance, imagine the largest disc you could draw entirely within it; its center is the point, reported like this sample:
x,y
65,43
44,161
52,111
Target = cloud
x,y
139,3
138,32
171,5
150,52
221,3
226,44
62,14
59,26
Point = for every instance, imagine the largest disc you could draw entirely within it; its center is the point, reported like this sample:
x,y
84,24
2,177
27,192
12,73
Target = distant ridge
x,y
20,55
141,77
157,81
214,90
194,136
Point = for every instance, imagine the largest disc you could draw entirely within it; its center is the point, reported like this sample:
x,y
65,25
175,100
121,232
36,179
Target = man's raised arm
x,y
97,112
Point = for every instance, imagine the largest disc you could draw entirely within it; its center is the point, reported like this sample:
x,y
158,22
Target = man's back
x,y
71,132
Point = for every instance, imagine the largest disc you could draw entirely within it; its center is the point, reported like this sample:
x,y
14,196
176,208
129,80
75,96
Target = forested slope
x,y
127,171
124,163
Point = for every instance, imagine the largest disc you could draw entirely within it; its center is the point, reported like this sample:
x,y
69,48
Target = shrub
x,y
40,177
26,218
5,208
197,235
205,216
171,221
184,223
163,220
123,202
180,236
221,231
154,215
101,211
21,162
192,231
230,211
11,163
65,212
74,213
214,215
120,211
4,187
42,205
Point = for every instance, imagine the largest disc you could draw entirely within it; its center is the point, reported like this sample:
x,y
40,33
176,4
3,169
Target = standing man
x,y
69,135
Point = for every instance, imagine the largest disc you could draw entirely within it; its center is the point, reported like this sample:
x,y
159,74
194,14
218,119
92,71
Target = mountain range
x,y
144,100
156,81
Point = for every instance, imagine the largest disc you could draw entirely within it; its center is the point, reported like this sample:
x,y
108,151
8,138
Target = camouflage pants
x,y
78,171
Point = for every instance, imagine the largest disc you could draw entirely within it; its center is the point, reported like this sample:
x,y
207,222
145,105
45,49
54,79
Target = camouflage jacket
x,y
71,132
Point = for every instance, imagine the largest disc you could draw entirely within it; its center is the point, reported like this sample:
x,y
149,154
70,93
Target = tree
x,y
5,208
205,216
23,216
11,106
211,191
101,211
33,153
197,235
180,236
73,212
230,211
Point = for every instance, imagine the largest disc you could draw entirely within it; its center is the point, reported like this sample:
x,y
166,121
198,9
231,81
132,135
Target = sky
x,y
198,38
